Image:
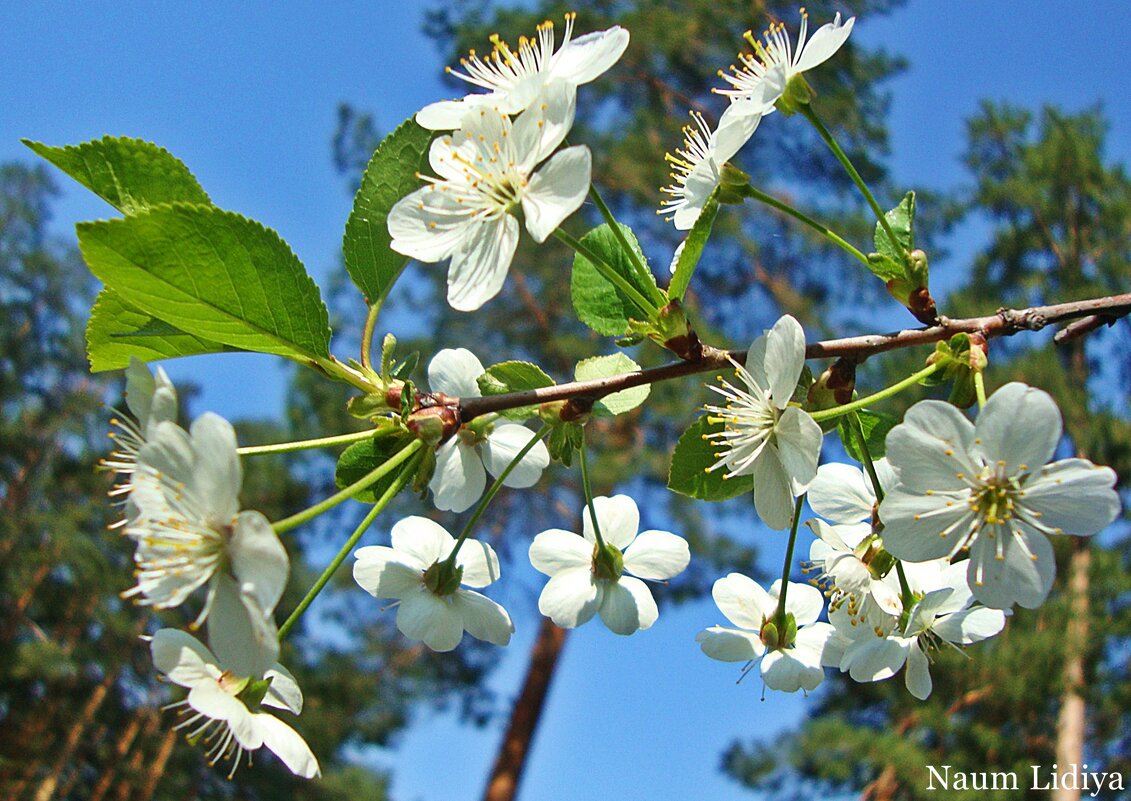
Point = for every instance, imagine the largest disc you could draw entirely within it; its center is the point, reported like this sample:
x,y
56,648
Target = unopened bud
x,y
833,387
434,424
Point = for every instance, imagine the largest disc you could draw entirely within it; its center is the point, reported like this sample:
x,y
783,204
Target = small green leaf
x,y
902,221
389,176
692,248
131,175
599,304
692,458
364,457
514,376
886,268
876,426
403,369
212,274
607,367
116,331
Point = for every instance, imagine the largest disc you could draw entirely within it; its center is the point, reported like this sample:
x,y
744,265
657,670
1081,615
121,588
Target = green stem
x,y
336,370
642,270
779,617
906,597
367,336
336,562
980,388
321,442
287,523
858,432
646,307
587,488
883,394
756,194
494,490
842,157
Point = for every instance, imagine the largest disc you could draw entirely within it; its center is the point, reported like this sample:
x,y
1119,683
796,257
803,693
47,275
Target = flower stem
x,y
588,490
642,270
321,442
494,490
646,307
382,470
785,208
367,336
336,562
779,616
980,388
842,157
861,440
906,597
883,394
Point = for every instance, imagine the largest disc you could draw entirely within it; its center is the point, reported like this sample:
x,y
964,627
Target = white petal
x,y
843,538
785,356
918,677
483,618
241,634
459,478
259,560
212,701
841,493
556,550
930,448
446,115
783,671
618,517
168,453
588,56
421,542
730,645
823,43
454,371
556,191
479,562
773,498
284,692
503,444
743,601
543,126
429,224
1024,575
570,597
799,447
805,602
140,386
657,555
874,658
628,606
1020,426
384,573
288,745
970,625
481,261
182,658
922,527
216,475
1074,496
737,124
422,616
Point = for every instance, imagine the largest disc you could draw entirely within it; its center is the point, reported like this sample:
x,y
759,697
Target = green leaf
x,y
902,221
514,376
691,459
212,274
692,248
598,303
363,458
389,176
131,175
116,331
607,367
876,426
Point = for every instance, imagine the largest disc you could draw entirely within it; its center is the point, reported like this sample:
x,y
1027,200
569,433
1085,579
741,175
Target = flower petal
x,y
785,356
1072,496
479,562
182,658
1023,575
556,550
570,597
258,559
783,671
874,658
657,555
628,606
459,478
825,41
241,634
556,191
930,448
385,573
921,527
918,676
730,645
743,601
618,517
483,618
799,447
543,126
805,602
970,625
588,56
454,371
288,745
480,261
773,498
1020,426
503,444
210,700
422,616
841,493
420,542
429,224
284,692
216,475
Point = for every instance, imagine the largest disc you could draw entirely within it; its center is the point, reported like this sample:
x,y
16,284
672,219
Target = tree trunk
x,y
121,748
156,768
46,789
1071,722
502,785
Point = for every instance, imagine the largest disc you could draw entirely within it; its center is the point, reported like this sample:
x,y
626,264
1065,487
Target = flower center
x,y
443,578
994,501
608,562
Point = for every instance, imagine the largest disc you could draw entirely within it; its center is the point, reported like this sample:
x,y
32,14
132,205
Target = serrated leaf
x,y
116,331
212,274
131,175
363,458
692,248
514,376
692,457
902,221
607,367
876,426
598,303
389,176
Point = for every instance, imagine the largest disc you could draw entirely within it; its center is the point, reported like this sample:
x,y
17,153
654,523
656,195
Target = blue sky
x,y
246,95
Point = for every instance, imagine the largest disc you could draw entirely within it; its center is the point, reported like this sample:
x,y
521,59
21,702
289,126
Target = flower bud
x,y
434,424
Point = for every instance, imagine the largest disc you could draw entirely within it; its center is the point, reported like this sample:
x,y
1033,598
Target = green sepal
x,y
565,440
690,472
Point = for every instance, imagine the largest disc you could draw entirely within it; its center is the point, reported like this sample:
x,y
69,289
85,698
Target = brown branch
x,y
1006,322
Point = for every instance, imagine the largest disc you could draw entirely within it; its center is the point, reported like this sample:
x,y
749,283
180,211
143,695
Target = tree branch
x,y
1005,322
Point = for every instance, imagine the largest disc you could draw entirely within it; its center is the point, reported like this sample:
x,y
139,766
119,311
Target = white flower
x,y
764,75
460,478
878,649
584,581
192,533
514,80
764,436
222,710
697,168
851,561
487,171
986,487
432,606
790,667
